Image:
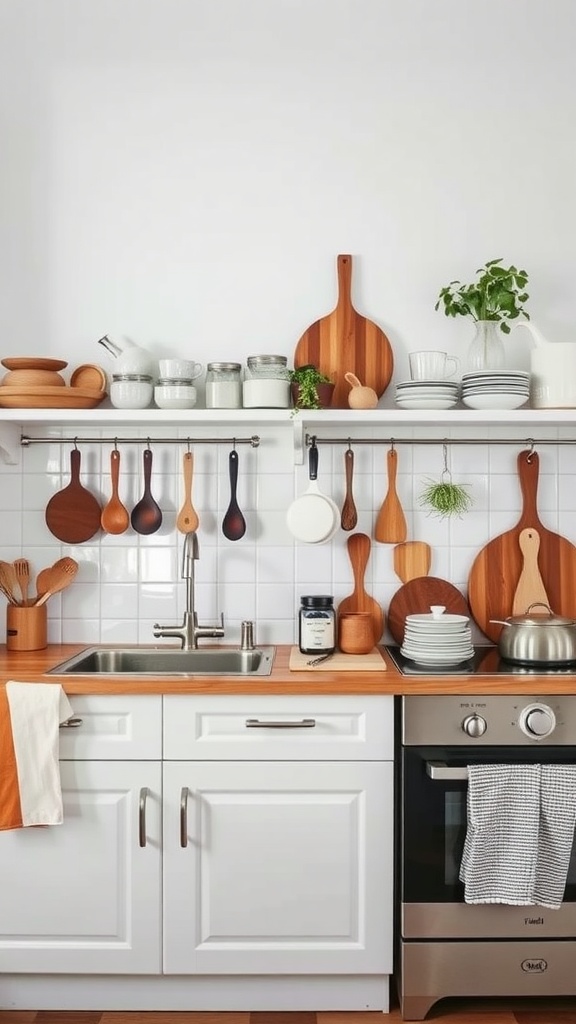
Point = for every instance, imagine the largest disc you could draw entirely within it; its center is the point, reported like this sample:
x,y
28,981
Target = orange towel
x,y
30,716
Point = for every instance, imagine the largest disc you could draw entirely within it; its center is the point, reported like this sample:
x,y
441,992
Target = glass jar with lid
x,y
267,384
131,390
224,386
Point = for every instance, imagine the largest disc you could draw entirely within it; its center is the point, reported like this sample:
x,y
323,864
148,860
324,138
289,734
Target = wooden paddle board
x,y
416,597
344,341
497,568
359,547
73,514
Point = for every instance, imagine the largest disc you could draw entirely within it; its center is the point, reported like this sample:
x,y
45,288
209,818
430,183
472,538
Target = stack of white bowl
x,y
437,639
495,389
427,394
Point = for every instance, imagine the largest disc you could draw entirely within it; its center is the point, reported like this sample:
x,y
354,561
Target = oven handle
x,y
440,771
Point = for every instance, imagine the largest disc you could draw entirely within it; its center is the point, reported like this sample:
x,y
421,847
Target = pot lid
x,y
544,617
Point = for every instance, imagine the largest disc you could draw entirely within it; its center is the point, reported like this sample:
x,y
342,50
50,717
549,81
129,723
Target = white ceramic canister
x,y
223,386
267,384
131,390
174,393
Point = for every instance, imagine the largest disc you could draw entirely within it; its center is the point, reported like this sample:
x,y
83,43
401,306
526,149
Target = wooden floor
x,y
452,1012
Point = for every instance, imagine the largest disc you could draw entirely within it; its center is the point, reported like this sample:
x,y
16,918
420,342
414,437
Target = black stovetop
x,y
486,661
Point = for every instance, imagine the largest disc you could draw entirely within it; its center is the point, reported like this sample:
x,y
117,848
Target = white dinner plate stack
x,y
427,394
437,639
495,389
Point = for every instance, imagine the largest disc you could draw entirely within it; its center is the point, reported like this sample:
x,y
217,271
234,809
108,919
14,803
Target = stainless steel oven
x,y
447,947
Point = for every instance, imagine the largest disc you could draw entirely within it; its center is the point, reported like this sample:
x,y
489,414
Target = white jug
x,y
553,371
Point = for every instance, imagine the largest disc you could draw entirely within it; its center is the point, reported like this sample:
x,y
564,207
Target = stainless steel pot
x,y
538,639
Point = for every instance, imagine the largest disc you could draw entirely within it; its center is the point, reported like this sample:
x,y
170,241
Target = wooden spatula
x,y
390,527
530,589
412,559
187,520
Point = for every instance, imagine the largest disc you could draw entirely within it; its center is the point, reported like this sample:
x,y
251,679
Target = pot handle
x,y
501,622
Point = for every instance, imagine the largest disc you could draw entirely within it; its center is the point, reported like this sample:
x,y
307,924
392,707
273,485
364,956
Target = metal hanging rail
x,y
392,441
254,441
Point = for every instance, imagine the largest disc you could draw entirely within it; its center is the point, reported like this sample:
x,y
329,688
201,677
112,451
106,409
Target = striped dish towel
x,y
30,716
520,833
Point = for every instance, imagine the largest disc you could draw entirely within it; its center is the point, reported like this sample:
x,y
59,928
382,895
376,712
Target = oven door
x,y
432,832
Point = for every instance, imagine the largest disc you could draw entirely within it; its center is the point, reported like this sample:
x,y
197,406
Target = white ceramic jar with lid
x,y
223,386
131,390
174,393
267,384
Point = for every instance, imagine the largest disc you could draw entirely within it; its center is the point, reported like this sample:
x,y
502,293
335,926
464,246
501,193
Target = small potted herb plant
x,y
491,301
310,388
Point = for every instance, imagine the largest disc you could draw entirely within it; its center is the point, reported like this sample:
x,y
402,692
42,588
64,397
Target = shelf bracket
x,y
299,442
10,443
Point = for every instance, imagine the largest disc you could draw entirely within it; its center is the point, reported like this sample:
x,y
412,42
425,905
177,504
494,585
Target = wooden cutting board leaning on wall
x,y
498,566
346,342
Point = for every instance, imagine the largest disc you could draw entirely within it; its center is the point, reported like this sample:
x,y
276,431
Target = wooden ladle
x,y
146,515
114,518
233,524
187,520
58,576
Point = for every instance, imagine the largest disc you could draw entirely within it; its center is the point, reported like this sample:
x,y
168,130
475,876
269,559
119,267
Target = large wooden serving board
x,y
497,568
373,662
346,342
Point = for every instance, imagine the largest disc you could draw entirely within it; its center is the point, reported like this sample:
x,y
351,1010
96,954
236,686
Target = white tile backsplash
x,y
128,582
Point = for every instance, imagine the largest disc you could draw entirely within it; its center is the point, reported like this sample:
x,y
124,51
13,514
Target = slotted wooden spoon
x,y
187,520
59,575
114,518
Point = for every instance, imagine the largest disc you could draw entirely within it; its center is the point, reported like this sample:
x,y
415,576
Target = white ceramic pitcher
x,y
553,371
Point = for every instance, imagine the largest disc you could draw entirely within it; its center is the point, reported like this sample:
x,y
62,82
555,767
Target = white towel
x,y
520,833
30,790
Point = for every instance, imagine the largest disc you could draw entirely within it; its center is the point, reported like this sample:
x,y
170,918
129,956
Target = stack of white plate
x,y
495,389
437,639
427,394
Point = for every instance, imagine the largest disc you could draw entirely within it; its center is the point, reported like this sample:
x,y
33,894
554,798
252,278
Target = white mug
x,y
431,365
176,369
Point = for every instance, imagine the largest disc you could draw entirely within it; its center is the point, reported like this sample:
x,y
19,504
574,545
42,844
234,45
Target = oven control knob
x,y
474,725
537,720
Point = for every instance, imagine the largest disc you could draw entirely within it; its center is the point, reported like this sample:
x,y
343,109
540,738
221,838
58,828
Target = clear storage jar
x,y
267,384
131,390
224,386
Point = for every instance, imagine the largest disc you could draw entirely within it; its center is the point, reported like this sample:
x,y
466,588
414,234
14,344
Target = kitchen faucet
x,y
190,632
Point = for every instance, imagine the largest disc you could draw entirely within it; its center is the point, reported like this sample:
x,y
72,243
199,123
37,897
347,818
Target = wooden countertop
x,y
32,666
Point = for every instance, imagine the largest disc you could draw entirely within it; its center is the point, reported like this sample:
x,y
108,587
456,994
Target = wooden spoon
x,y
45,576
412,559
233,524
114,518
146,515
390,525
349,516
359,548
187,520
60,575
22,570
530,589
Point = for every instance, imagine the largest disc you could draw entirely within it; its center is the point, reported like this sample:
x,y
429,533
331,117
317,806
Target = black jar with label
x,y
317,625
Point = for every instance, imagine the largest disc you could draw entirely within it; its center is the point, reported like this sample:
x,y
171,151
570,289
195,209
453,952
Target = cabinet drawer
x,y
114,728
268,728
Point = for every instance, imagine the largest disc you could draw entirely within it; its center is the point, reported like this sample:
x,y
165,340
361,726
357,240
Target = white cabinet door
x,y
85,896
286,867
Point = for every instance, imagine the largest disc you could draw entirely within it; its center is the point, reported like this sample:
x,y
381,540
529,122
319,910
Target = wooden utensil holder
x,y
26,628
356,633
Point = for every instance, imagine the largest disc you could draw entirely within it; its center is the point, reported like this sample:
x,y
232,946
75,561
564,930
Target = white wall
x,y
184,172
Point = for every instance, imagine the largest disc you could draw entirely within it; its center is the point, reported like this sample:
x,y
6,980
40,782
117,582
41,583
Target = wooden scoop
x,y
349,516
73,514
146,515
114,518
412,559
187,520
390,525
530,588
59,576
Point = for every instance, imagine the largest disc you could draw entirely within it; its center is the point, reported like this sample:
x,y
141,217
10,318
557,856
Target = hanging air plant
x,y
444,498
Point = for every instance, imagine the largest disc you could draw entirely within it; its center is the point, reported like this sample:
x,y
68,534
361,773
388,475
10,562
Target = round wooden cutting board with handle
x,y
73,514
359,547
497,568
416,597
344,341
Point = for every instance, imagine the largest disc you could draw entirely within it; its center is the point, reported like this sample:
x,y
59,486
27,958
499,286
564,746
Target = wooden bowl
x,y
32,378
90,376
33,363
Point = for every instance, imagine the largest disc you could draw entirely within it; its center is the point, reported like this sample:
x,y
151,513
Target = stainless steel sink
x,y
163,661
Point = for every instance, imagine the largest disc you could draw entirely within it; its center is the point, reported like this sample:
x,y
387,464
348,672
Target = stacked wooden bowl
x,y
35,383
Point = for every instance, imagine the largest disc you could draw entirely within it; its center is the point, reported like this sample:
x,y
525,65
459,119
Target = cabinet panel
x,y
236,728
84,896
287,868
114,728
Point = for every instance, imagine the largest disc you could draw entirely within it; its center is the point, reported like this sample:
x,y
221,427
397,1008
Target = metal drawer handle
x,y
142,815
440,771
305,723
184,816
71,723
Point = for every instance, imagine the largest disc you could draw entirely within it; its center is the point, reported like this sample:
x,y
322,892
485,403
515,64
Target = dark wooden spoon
x,y
233,524
349,516
146,515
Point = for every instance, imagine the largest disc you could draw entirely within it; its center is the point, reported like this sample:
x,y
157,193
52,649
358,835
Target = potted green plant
x,y
310,388
496,296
